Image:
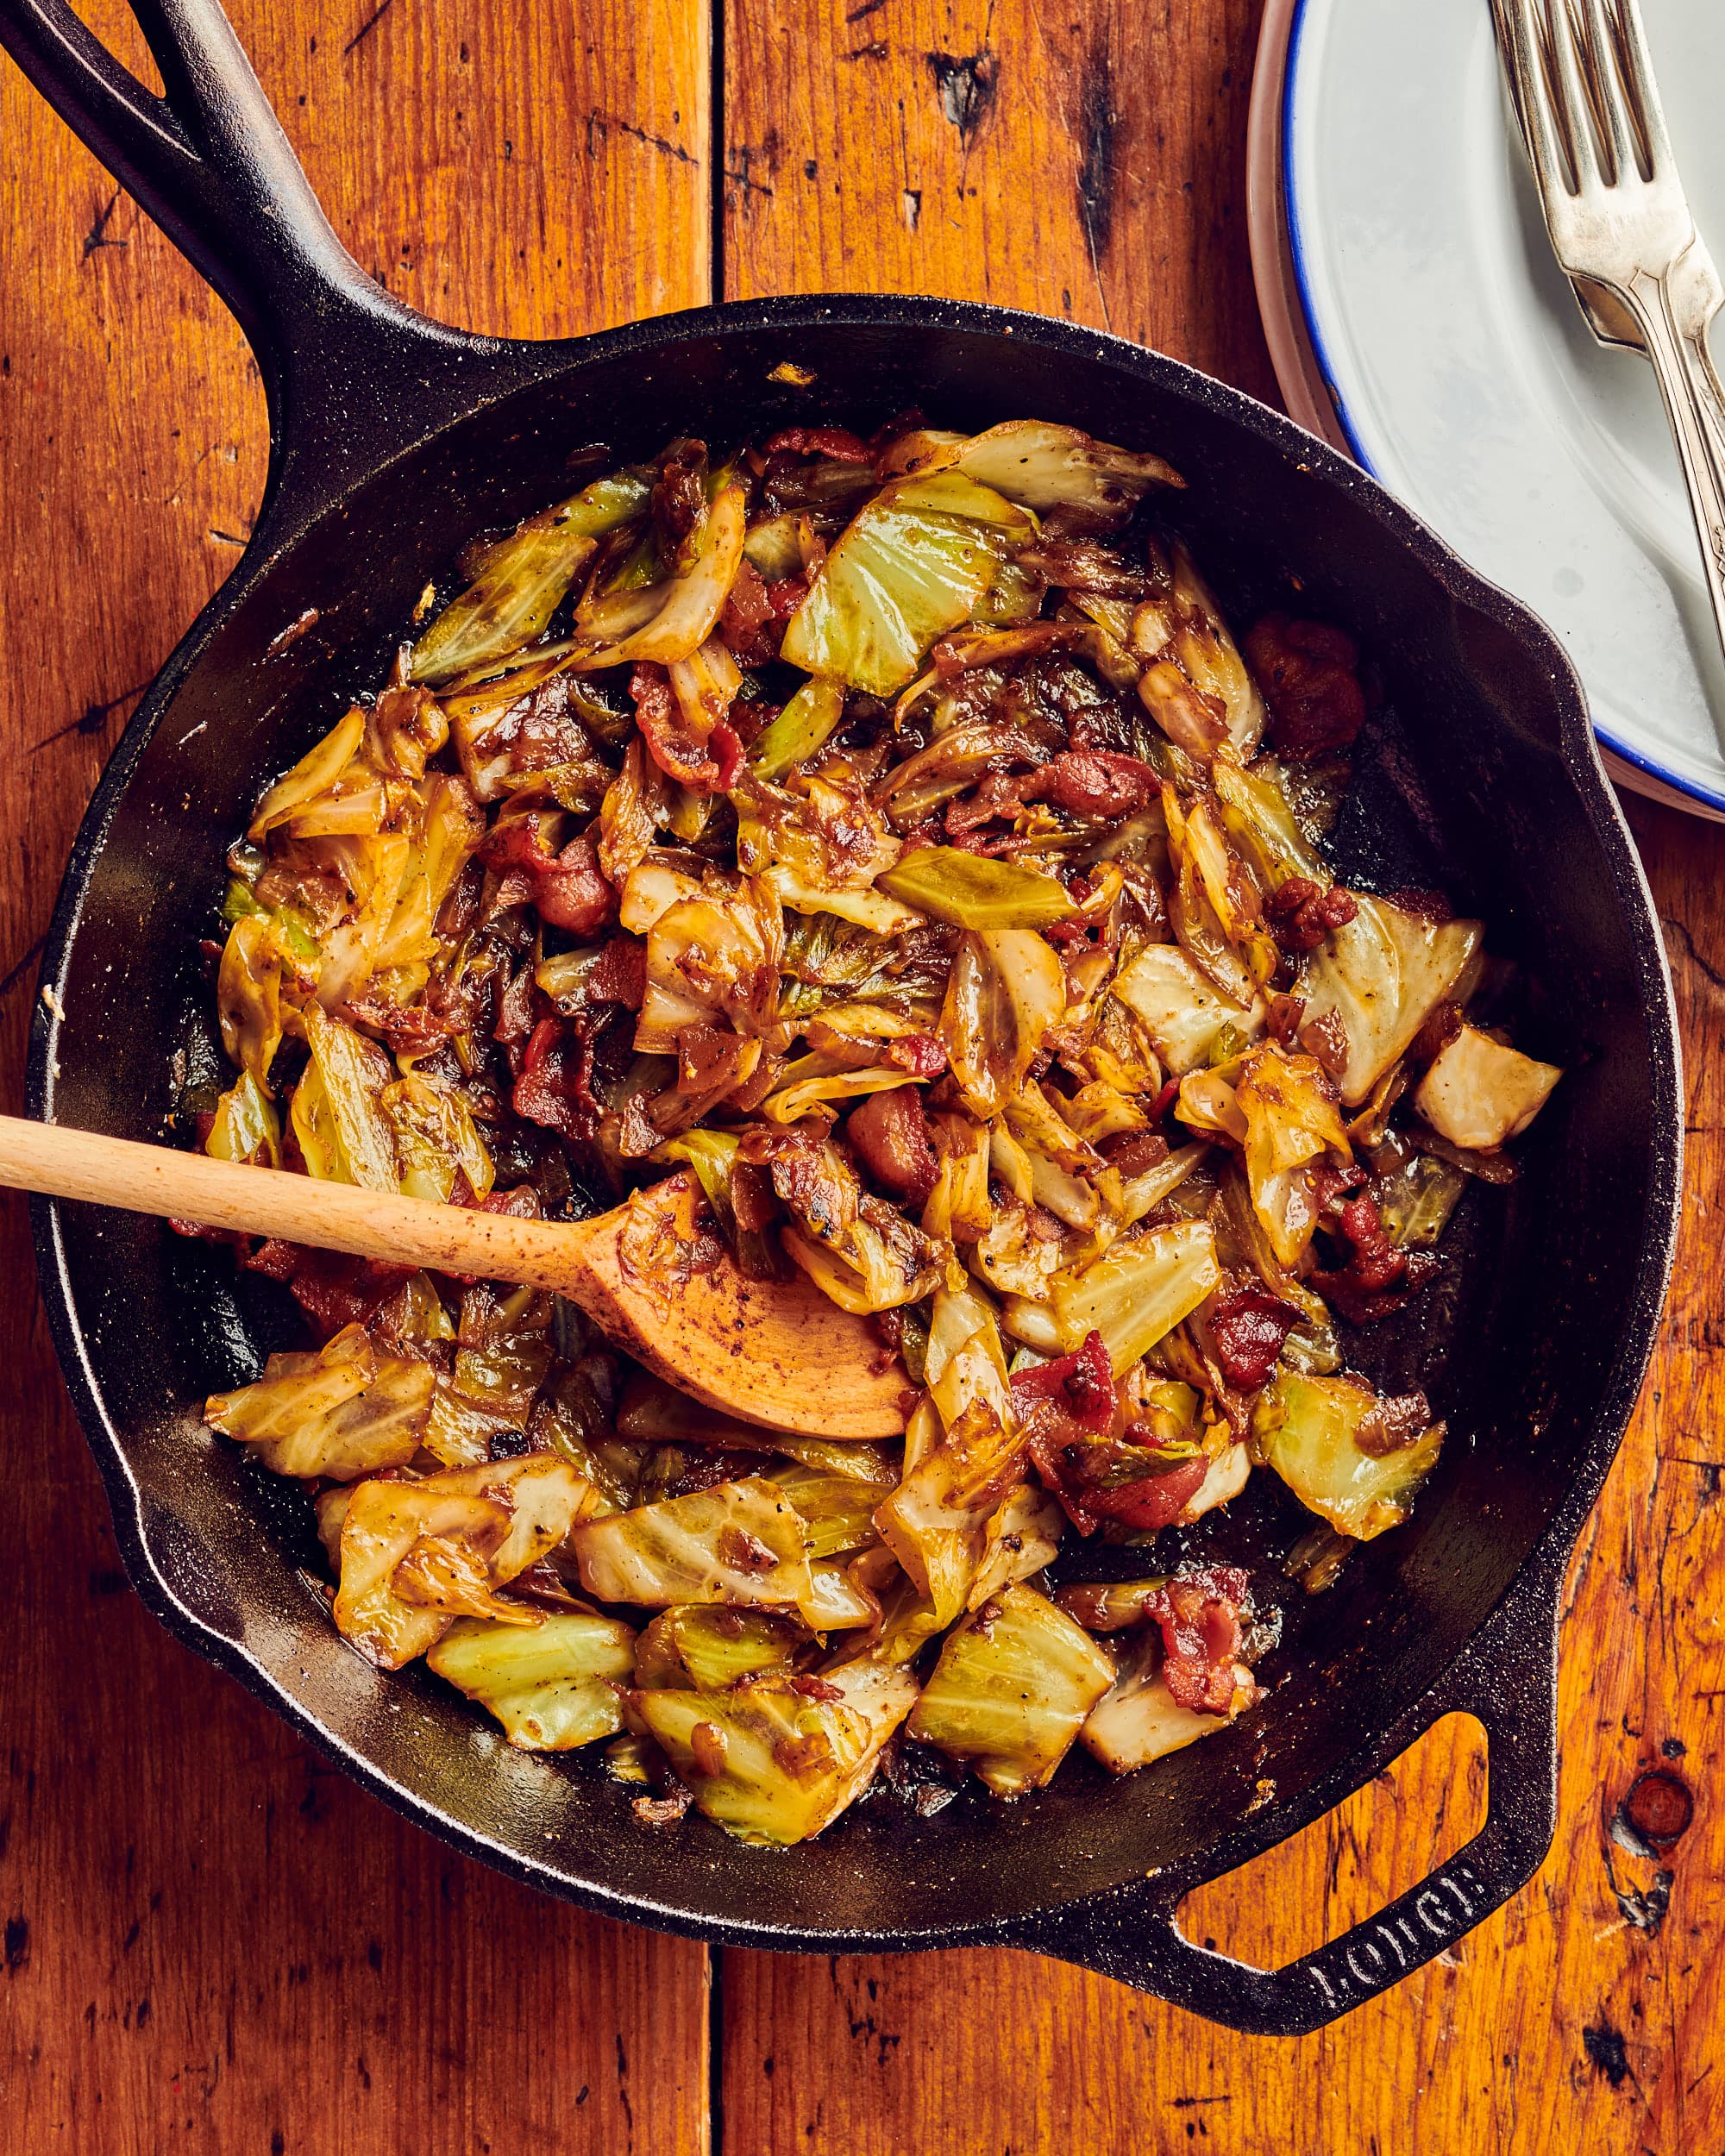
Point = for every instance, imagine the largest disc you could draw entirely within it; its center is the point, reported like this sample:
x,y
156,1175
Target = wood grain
x,y
211,1940
1086,161
208,1940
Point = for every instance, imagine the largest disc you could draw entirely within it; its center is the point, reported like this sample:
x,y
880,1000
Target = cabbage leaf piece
x,y
972,891
1479,1094
691,600
704,1647
1042,466
245,1126
1140,1289
552,1685
460,1532
1137,1720
944,1518
337,1112
1291,1123
1183,1010
1306,1428
521,579
344,1412
801,729
1006,989
837,1509
911,564
769,1762
1012,1690
739,1542
1381,975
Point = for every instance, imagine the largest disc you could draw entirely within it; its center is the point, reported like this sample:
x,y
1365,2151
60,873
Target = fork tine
x,y
1632,46
1518,35
1611,100
1578,120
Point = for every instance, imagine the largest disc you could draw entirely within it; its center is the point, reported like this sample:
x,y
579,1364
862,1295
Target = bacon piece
x,y
333,1291
1134,1152
1081,1384
705,766
838,442
569,889
1155,1501
1094,782
746,621
1302,913
786,593
1200,1615
619,973
1307,671
1247,1326
920,1054
889,1132
1378,1278
1283,1016
553,1088
680,491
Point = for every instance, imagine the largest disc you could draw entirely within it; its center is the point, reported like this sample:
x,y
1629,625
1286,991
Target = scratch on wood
x,y
600,124
1097,123
1605,2047
740,173
867,8
365,28
92,718
97,235
967,89
878,50
10,980
1677,933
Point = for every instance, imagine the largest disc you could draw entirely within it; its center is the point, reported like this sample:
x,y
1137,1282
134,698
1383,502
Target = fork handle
x,y
1695,405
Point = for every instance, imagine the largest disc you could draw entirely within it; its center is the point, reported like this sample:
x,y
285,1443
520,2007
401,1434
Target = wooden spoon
x,y
775,1352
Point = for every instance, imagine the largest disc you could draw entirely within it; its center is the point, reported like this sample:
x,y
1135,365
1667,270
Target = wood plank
x,y
1087,161
208,1935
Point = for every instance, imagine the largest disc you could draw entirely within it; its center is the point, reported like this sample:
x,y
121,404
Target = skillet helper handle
x,y
1511,1686
58,1162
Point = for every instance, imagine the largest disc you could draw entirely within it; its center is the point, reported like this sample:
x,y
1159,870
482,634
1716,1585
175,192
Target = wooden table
x,y
211,1940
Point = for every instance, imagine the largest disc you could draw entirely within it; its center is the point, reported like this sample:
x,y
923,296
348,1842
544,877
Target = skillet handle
x,y
1508,1679
210,165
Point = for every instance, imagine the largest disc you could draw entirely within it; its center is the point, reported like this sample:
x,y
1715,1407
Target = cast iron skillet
x,y
393,440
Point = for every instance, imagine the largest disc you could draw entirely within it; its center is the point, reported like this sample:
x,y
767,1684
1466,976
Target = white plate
x,y
1459,367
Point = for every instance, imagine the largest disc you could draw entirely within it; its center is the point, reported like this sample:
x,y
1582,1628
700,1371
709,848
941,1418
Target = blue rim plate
x,y
1462,374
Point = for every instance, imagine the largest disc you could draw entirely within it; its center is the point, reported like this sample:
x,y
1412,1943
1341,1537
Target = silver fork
x,y
1620,222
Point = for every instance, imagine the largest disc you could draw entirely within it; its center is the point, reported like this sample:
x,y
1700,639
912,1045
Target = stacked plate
x,y
1416,319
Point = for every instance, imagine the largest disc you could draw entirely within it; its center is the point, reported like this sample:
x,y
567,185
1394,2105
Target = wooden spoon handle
x,y
116,1171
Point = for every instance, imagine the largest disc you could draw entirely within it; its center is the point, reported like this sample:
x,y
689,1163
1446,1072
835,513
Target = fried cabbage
x,y
342,1412
1308,1429
911,564
552,1685
779,1759
1012,1688
1381,975
1480,1093
740,1542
